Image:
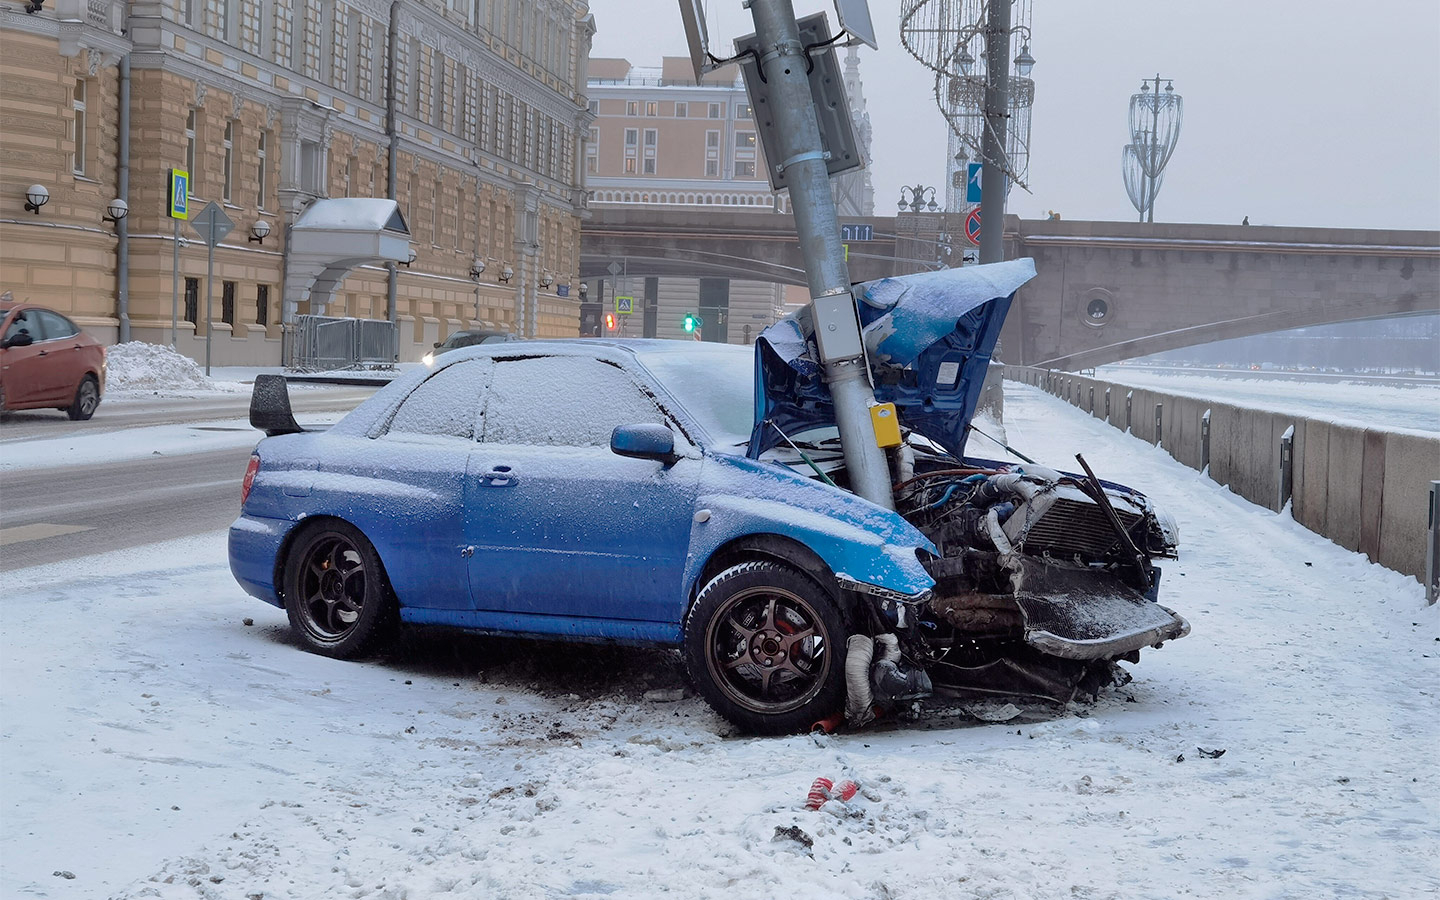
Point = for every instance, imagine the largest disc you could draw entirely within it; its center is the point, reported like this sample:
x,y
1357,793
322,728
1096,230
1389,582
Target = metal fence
x,y
327,342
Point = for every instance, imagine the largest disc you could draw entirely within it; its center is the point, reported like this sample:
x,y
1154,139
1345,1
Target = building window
x,y
280,35
192,301
630,165
743,111
652,108
77,103
714,110
217,18
712,139
712,168
314,52
652,137
190,150
262,304
260,173
649,165
594,107
229,145
250,25
592,164
632,136
744,170
435,191
682,110
632,107
745,140
227,302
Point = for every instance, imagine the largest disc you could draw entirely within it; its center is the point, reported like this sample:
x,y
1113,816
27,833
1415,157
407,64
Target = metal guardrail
x,y
329,342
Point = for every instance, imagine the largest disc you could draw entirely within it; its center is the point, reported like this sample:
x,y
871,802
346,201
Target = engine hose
x,y
997,534
859,699
888,647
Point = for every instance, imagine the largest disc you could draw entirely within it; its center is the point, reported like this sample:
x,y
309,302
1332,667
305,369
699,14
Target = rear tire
x,y
764,644
87,398
336,593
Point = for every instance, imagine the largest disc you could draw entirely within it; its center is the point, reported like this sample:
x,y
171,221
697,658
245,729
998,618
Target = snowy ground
x,y
154,745
1368,403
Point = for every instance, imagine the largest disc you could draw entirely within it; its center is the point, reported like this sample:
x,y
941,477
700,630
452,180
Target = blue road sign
x,y
857,232
972,183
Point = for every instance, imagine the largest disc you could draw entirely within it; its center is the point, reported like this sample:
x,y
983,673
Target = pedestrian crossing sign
x,y
625,305
179,194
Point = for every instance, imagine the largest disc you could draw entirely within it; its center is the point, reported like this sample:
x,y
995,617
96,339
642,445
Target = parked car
x,y
467,339
47,361
631,490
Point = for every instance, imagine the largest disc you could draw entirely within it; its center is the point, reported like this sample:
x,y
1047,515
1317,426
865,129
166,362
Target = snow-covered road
x,y
154,745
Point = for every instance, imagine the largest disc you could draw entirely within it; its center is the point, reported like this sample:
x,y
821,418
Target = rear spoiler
x,y
270,407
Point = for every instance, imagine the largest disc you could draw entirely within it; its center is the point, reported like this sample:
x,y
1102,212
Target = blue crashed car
x,y
692,495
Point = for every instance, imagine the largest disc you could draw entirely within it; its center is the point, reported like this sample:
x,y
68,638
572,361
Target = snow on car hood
x,y
929,337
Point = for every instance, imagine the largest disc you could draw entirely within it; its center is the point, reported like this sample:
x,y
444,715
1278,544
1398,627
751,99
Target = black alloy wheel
x,y
87,397
335,591
764,644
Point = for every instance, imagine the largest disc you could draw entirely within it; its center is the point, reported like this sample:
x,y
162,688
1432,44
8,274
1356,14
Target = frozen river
x,y
1375,401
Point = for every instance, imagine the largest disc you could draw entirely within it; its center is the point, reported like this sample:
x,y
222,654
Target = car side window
x,y
562,401
30,324
56,325
447,403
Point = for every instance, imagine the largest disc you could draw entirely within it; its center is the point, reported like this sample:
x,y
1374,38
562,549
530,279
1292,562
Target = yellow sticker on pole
x,y
887,425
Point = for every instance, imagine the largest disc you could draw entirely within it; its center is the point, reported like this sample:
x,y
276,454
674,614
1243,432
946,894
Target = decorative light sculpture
x,y
948,37
1155,120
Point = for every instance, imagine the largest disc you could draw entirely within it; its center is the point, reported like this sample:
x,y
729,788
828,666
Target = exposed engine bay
x,y
1044,581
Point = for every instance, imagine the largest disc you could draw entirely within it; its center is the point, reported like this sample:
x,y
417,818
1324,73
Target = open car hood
x,y
928,336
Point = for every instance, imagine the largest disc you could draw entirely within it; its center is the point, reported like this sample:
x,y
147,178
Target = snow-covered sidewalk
x,y
155,745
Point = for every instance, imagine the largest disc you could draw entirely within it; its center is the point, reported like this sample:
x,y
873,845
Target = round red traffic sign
x,y
972,226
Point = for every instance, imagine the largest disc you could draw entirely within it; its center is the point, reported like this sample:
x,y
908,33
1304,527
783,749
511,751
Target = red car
x,y
46,361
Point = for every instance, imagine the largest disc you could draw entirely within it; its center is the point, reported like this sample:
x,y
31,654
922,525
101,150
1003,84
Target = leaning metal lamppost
x,y
1155,120
922,198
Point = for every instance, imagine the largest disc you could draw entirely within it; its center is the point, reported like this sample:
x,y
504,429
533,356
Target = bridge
x,y
1104,291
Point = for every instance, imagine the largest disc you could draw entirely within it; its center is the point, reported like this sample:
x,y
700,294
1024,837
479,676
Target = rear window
x,y
447,403
56,325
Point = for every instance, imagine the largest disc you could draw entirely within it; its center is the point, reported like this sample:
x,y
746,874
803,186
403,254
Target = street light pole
x,y
997,109
785,68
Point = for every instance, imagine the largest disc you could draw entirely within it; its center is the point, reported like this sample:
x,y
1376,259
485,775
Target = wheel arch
x,y
768,546
305,524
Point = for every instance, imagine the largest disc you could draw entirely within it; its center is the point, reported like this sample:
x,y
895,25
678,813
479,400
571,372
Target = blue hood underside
x,y
929,338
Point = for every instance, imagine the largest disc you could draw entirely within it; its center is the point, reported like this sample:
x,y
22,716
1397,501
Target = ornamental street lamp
x,y
1155,120
922,198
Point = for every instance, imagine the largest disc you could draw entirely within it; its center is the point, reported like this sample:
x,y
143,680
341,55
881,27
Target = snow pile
x,y
137,367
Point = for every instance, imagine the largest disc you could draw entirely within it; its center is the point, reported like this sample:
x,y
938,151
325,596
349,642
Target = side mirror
x,y
21,339
437,345
644,441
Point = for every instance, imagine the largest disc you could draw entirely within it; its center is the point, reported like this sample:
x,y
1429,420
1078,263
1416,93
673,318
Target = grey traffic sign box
x,y
212,224
832,110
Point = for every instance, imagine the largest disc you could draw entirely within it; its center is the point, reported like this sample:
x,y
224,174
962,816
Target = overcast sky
x,y
1297,112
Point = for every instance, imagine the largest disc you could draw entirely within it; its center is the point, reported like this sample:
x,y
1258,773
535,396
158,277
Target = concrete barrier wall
x,y
1366,489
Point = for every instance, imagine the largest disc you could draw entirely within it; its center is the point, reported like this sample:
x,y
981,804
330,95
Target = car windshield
x,y
715,384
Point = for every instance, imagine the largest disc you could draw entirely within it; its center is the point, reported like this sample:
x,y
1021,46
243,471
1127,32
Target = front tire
x,y
336,594
764,645
87,398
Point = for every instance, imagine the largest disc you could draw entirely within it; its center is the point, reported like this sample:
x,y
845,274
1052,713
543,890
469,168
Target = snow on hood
x,y
929,338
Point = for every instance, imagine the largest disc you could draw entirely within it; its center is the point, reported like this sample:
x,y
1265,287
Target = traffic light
x,y
691,322
610,321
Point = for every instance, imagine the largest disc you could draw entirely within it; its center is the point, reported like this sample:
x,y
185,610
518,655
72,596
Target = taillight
x,y
250,473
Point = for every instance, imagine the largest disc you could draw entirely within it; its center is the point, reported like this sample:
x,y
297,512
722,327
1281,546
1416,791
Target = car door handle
x,y
500,476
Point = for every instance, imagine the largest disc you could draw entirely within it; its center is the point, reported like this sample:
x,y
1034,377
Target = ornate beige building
x,y
274,108
660,139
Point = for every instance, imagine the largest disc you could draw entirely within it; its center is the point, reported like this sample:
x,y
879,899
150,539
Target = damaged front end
x,y
1043,579
1037,593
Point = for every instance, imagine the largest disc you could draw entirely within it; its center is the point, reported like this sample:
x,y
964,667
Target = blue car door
x,y
559,524
406,488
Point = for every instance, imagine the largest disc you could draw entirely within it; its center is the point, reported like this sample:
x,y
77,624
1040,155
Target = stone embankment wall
x,y
1366,489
